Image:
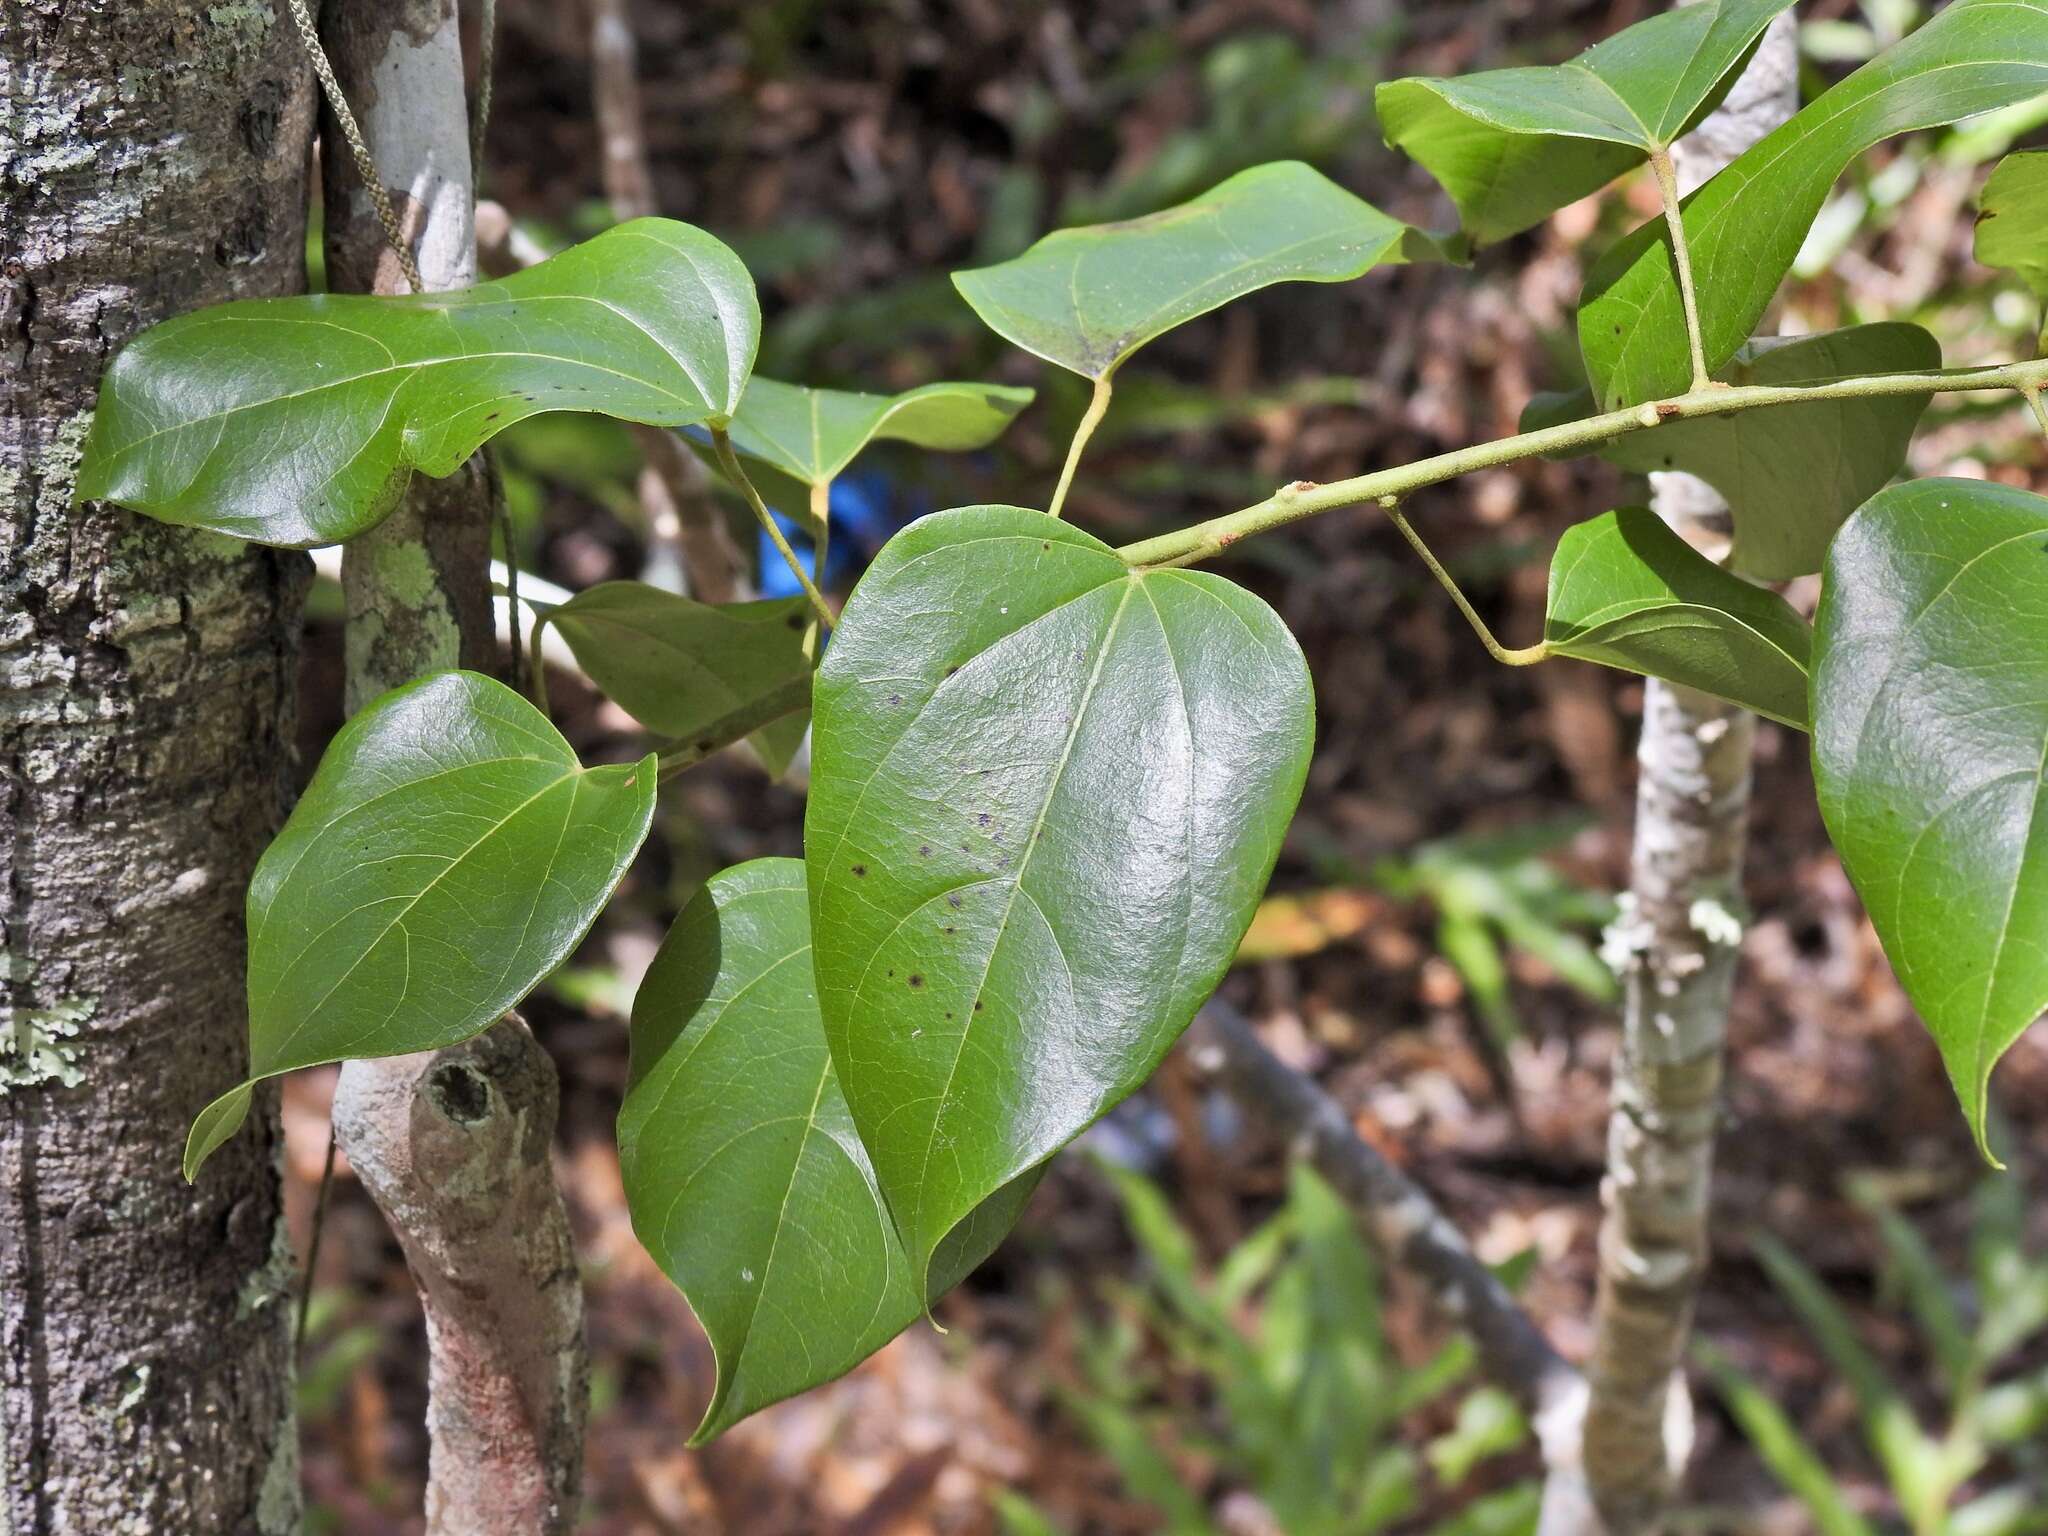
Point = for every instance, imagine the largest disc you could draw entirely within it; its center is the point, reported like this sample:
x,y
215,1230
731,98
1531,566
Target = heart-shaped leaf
x,y
1790,473
746,1180
681,667
1046,793
1930,728
1627,592
448,854
1512,146
1088,298
298,421
811,435
1744,227
2012,221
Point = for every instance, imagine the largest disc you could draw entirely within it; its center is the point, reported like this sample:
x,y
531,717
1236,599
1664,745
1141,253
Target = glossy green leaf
x,y
1627,592
1790,473
298,421
1744,227
1088,298
1930,695
744,1175
2012,221
448,854
1046,793
679,666
1512,146
811,435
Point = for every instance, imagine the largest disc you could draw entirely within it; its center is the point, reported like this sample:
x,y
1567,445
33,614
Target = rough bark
x,y
453,1145
1676,944
153,160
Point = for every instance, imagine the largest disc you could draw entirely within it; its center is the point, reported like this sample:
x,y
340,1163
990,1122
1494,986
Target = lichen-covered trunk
x,y
153,159
454,1145
1677,942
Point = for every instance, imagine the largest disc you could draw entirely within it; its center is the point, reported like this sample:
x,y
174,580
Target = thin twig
x,y
1205,540
1397,1213
313,1245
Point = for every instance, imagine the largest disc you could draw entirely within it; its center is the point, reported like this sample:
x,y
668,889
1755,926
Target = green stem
x,y
1290,504
537,684
821,541
2040,410
728,461
1674,218
1514,656
1091,418
744,721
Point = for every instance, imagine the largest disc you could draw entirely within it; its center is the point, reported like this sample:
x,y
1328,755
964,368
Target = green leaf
x,y
1046,793
680,667
1512,146
1627,592
811,435
1789,473
1930,694
448,854
1088,298
1784,1450
298,421
1744,227
743,1173
2012,221
1919,1467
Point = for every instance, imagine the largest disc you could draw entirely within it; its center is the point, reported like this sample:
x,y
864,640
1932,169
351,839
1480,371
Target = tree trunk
x,y
1678,938
153,161
454,1145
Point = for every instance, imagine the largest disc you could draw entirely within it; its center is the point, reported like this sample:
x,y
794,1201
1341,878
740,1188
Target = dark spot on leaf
x,y
924,850
949,1013
895,699
1046,545
951,670
705,744
953,900
795,621
494,416
983,819
861,870
977,1005
948,929
916,980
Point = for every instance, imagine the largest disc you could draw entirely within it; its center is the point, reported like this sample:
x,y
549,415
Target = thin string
x,y
359,151
480,104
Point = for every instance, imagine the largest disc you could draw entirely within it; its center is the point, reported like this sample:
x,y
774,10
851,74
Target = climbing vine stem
x,y
1292,503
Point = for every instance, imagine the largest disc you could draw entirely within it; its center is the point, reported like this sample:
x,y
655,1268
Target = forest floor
x,y
856,154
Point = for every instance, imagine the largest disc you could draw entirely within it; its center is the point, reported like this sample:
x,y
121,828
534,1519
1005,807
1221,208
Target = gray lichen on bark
x,y
1676,947
153,158
453,1145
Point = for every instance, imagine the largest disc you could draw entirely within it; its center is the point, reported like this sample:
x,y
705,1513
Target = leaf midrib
x,y
1025,853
